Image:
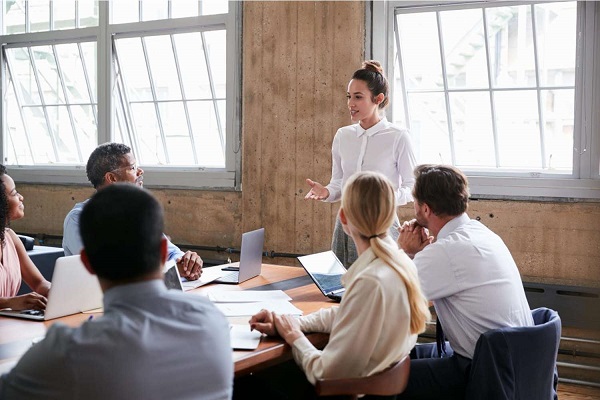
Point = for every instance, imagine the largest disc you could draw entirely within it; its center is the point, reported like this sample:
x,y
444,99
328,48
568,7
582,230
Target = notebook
x,y
326,270
250,258
73,290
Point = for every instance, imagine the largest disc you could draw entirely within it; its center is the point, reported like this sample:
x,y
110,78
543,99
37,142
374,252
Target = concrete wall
x,y
297,59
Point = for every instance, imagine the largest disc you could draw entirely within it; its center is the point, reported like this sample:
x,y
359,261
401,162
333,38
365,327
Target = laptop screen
x,y
325,270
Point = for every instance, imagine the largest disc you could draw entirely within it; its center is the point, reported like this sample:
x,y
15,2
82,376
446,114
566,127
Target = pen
x,y
91,318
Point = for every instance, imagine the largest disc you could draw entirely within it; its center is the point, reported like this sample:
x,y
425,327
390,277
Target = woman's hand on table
x,y
263,322
288,327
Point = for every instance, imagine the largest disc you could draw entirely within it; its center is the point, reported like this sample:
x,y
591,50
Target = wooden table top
x,y
16,334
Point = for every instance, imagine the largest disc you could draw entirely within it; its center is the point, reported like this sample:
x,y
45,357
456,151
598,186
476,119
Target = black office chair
x,y
385,384
27,241
517,363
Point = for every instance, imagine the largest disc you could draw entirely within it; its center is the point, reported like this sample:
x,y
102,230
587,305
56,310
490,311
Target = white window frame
x,y
228,178
584,182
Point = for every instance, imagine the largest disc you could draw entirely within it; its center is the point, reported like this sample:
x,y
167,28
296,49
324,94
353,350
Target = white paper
x,y
242,338
208,275
249,309
247,296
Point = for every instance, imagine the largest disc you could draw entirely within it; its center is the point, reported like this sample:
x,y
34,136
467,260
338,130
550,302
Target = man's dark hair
x,y
443,188
4,211
121,228
105,158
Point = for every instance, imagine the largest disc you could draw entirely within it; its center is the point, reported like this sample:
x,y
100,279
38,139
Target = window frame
x,y
194,177
584,182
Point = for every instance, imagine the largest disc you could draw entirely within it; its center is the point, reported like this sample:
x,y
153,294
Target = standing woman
x,y
383,308
15,264
371,144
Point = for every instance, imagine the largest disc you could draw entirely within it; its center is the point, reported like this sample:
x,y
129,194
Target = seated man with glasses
x,y
110,163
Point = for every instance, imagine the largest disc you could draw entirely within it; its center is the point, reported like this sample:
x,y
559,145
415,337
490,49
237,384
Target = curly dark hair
x,y
4,216
105,158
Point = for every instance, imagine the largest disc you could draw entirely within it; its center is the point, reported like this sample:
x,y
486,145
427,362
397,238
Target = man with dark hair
x,y
468,273
151,342
110,163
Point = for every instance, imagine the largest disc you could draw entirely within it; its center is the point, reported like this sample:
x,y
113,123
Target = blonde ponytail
x,y
368,202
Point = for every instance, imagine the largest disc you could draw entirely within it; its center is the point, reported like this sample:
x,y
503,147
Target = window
x,y
494,89
160,76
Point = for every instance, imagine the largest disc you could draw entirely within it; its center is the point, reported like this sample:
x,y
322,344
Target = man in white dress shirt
x,y
151,342
468,273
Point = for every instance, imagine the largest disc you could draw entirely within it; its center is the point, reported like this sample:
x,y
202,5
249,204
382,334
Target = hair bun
x,y
372,65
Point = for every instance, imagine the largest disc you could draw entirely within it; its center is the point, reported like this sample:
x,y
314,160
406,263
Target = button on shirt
x,y
151,343
473,281
369,331
384,148
72,243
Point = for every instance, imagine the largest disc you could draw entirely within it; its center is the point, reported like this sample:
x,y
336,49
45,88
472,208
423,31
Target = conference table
x,y
16,335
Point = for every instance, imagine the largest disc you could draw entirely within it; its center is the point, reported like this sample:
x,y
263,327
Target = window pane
x,y
23,76
60,123
556,41
559,108
155,9
86,129
88,13
511,46
90,55
429,127
177,133
123,11
20,152
464,48
162,67
151,149
14,16
206,134
214,7
39,15
420,51
184,8
72,69
45,64
63,13
472,129
192,64
43,149
217,57
134,69
518,129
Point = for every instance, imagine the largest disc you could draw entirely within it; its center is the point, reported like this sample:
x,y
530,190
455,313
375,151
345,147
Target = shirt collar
x,y
358,266
452,225
131,290
382,124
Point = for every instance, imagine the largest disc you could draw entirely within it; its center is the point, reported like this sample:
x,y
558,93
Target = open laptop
x,y
326,270
171,276
250,258
73,290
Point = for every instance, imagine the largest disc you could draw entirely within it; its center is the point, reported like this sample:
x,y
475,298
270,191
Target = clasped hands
x,y
190,265
273,324
413,237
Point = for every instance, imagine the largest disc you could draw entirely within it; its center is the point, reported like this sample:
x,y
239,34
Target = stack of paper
x,y
249,302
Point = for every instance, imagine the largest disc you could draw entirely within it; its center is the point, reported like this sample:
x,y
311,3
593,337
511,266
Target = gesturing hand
x,y
317,191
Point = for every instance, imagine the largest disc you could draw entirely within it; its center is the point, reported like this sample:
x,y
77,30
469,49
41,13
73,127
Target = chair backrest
x,y
388,382
517,363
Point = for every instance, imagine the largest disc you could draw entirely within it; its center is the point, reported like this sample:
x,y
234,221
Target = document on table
x,y
242,338
243,309
247,296
208,275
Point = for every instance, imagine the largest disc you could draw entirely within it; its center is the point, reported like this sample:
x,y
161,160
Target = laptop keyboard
x,y
33,312
232,277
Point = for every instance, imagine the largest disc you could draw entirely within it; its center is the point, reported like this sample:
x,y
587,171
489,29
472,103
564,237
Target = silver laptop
x,y
326,270
250,258
73,290
171,276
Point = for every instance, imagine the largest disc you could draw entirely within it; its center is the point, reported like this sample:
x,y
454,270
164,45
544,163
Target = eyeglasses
x,y
132,167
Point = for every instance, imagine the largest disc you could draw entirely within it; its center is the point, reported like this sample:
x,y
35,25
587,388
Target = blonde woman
x,y
382,310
